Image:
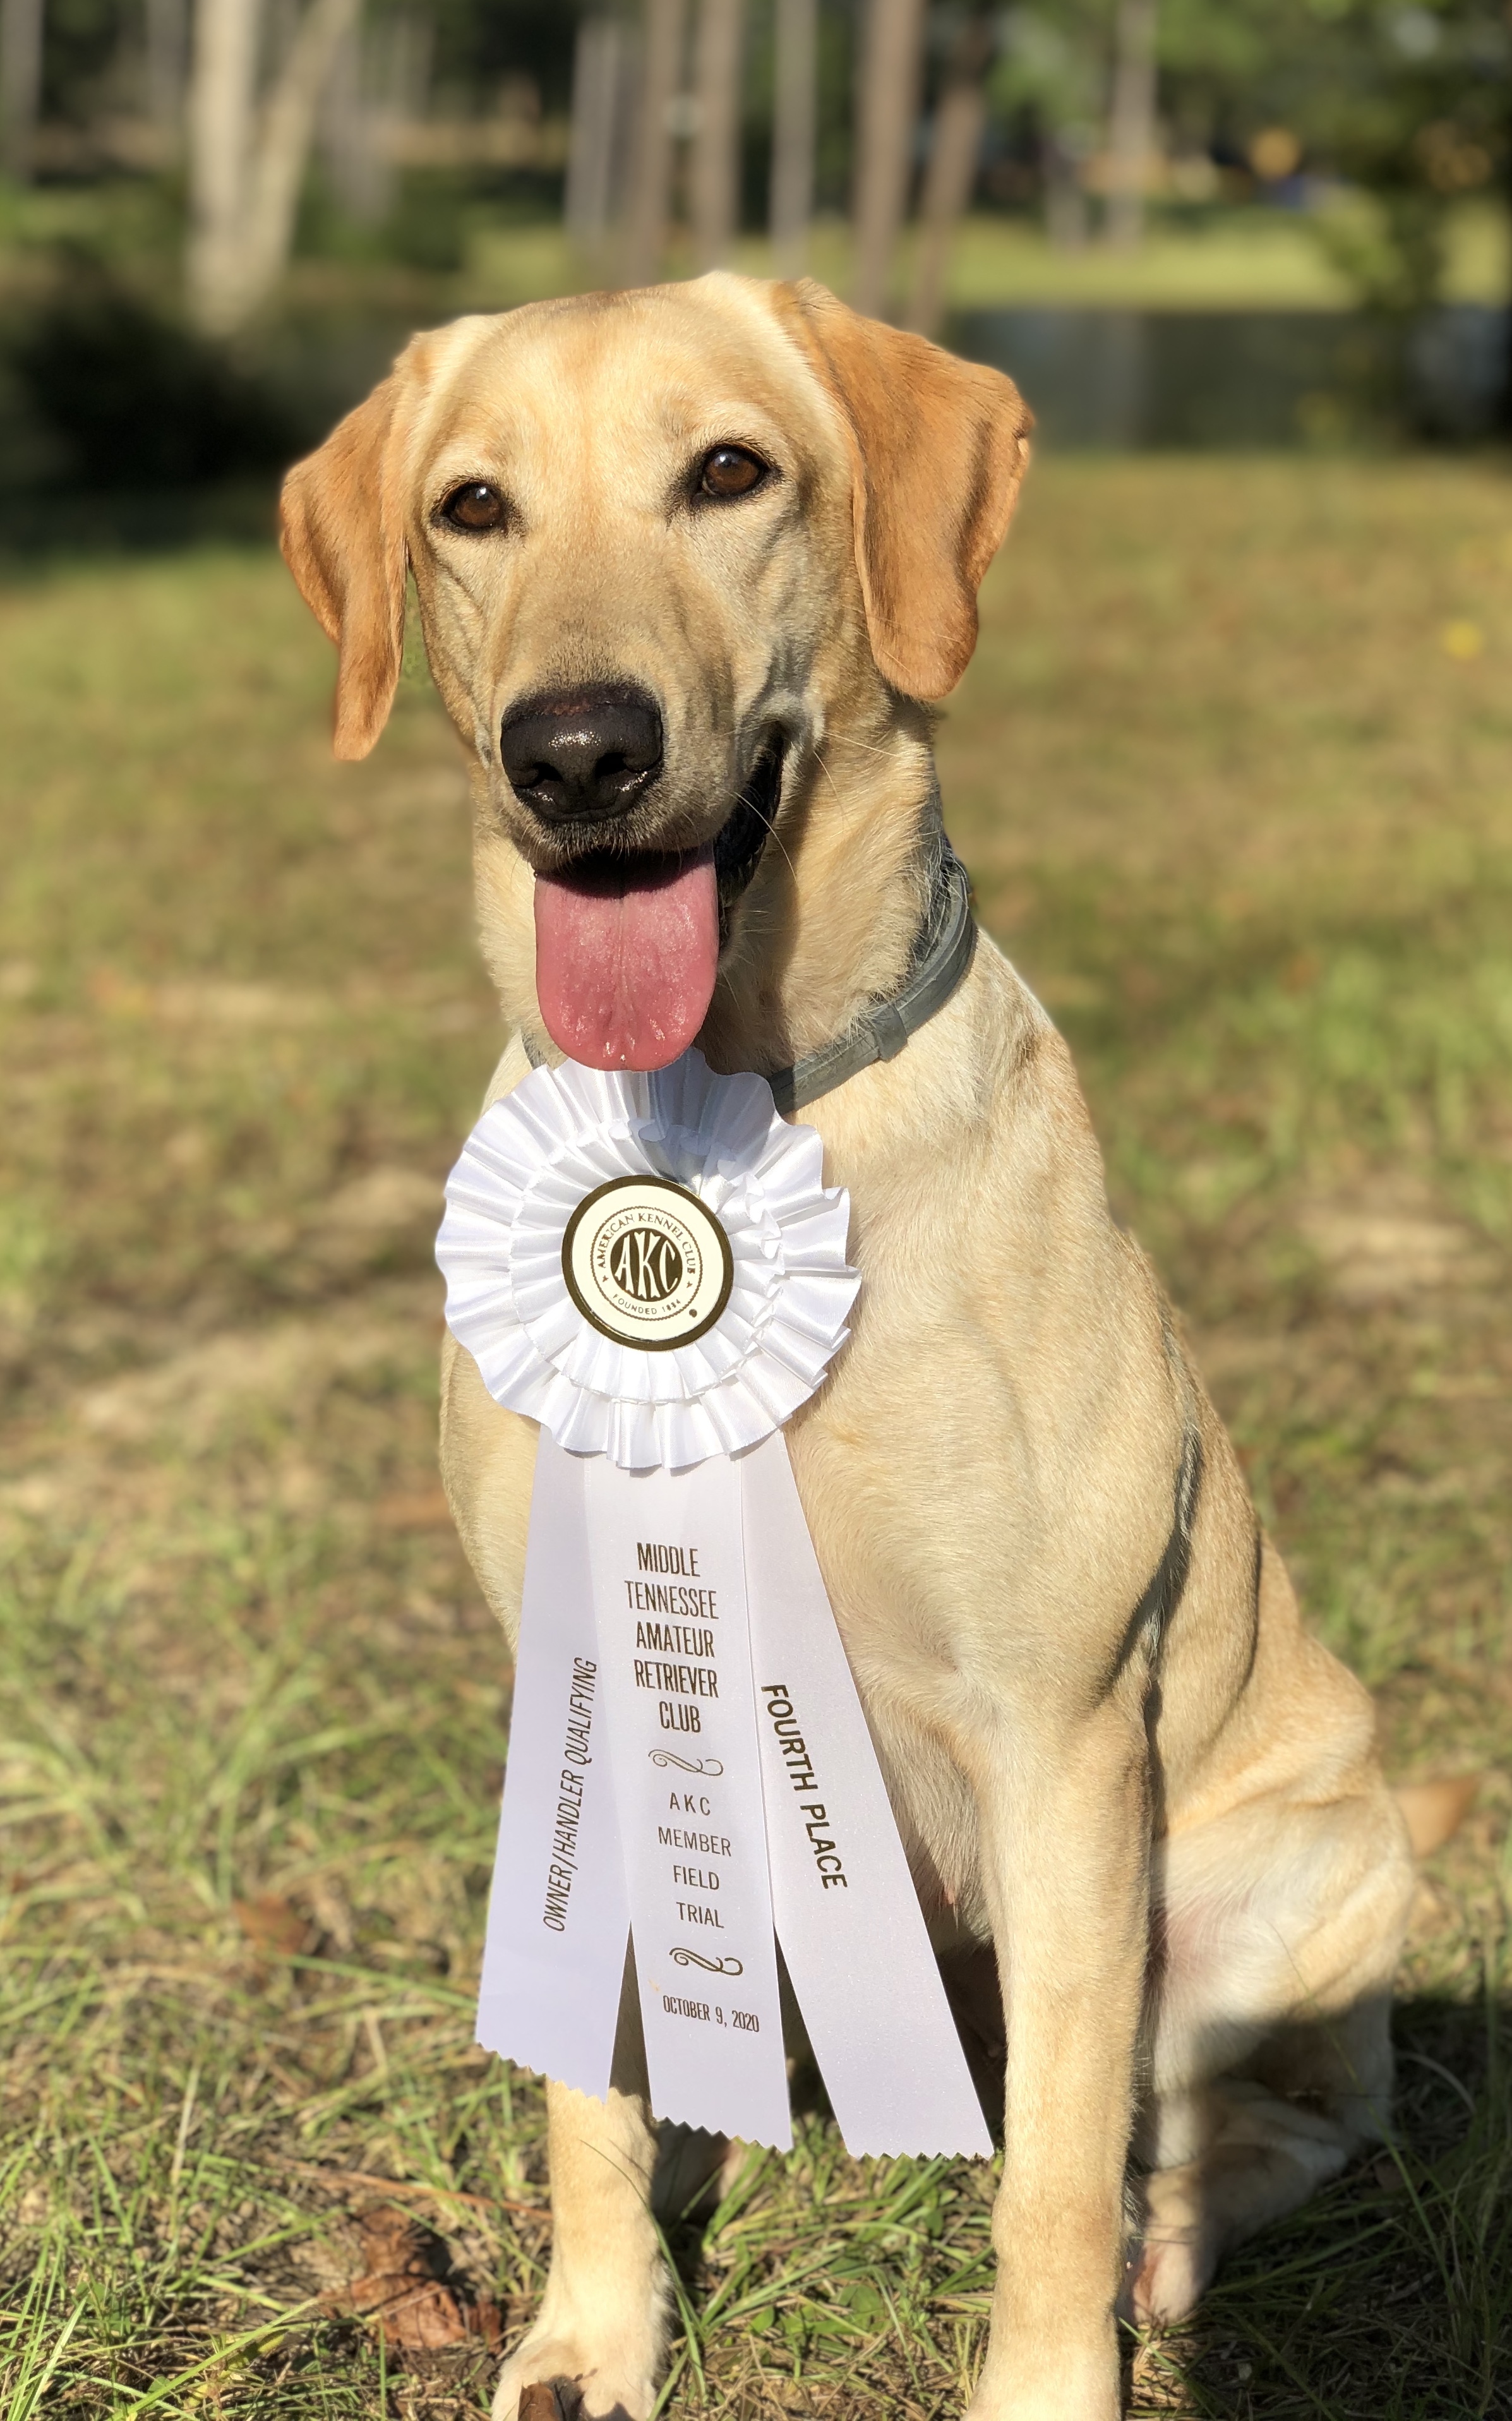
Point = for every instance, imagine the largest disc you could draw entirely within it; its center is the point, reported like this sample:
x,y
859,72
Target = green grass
x,y
1246,821
1226,259
1235,259
1247,258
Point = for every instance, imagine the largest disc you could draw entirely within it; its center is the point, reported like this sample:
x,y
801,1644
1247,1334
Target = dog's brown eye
x,y
731,471
475,506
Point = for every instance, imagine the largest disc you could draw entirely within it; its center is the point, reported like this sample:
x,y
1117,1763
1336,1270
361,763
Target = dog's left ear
x,y
341,528
938,448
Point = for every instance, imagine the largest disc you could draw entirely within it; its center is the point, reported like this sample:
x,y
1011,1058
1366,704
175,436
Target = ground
x,y
1248,257
1231,772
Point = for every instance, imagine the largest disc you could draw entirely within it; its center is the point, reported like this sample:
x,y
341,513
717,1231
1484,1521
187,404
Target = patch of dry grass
x,y
1248,825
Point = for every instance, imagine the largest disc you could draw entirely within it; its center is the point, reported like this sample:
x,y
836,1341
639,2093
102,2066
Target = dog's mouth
x,y
628,944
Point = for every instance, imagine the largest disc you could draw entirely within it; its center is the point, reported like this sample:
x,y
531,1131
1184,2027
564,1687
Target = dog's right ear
x,y
341,527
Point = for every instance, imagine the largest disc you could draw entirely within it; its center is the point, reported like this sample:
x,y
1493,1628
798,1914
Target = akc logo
x,y
646,1263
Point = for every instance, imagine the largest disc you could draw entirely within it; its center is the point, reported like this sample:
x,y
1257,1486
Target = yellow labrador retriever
x,y
691,562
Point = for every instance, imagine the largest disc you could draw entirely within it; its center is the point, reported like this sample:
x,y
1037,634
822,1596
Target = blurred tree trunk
x,y
167,28
1131,121
1066,213
650,182
884,143
602,76
961,115
379,82
20,84
247,165
349,153
716,148
793,129
222,101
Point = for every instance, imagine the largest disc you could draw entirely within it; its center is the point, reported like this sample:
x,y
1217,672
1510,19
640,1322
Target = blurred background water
x,y
1128,380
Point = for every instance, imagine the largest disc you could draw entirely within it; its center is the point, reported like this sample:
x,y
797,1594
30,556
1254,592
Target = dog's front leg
x,y
1064,1815
602,2330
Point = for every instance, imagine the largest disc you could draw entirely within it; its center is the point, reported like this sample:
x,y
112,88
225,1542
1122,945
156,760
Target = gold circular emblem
x,y
646,1263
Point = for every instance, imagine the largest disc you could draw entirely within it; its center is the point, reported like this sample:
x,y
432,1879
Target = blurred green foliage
x,y
1377,130
1407,103
1405,109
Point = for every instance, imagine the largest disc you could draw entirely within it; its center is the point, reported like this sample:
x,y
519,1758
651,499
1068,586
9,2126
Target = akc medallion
x,y
647,1263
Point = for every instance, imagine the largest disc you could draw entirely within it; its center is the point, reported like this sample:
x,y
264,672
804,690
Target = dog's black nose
x,y
582,755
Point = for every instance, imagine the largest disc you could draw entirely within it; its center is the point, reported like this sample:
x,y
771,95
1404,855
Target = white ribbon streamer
x,y
848,1917
670,1594
559,1918
651,1267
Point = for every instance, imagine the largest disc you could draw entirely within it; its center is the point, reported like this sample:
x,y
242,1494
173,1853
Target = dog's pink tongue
x,y
625,975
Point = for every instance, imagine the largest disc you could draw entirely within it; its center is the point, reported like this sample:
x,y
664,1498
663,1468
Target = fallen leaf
x,y
390,2240
272,1923
402,2295
419,2314
540,2403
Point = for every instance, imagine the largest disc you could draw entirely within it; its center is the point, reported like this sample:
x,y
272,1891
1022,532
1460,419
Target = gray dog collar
x,y
942,956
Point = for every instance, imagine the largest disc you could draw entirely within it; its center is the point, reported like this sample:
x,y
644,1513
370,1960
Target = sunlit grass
x,y
1226,259
1220,257
1248,826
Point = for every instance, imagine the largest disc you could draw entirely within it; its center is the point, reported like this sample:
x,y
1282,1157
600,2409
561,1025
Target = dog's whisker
x,y
845,804
869,747
772,834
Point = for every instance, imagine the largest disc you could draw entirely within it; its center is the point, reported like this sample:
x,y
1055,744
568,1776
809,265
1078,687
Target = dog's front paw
x,y
1173,2265
550,2378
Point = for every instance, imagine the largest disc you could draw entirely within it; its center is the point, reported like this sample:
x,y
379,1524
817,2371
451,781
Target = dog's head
x,y
666,544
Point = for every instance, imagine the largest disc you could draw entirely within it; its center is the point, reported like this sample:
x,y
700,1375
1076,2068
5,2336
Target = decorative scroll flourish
x,y
710,1765
711,1966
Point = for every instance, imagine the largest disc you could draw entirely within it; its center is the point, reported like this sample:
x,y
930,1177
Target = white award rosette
x,y
650,1267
